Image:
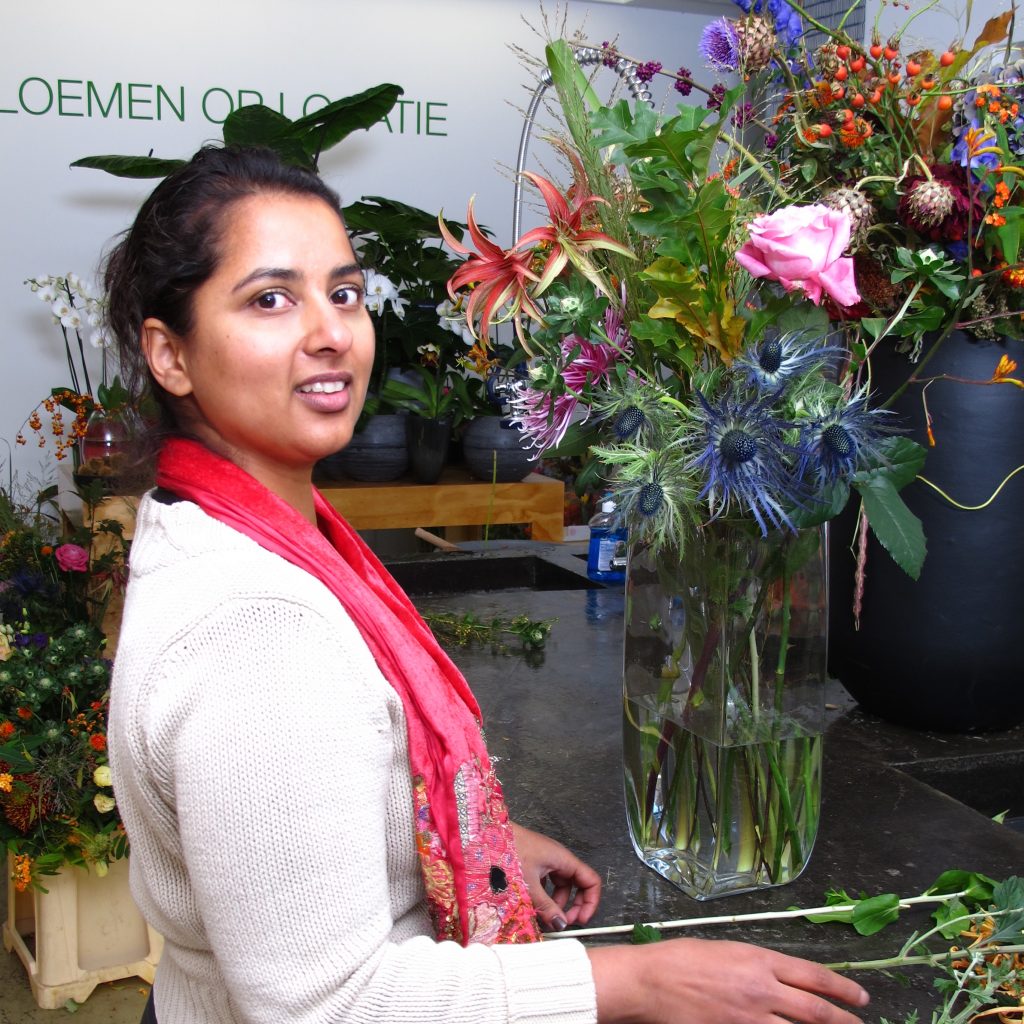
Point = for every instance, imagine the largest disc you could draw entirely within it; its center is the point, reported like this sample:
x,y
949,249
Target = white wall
x,y
452,54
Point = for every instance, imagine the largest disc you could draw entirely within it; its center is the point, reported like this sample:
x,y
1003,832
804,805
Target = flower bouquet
x,y
56,802
675,310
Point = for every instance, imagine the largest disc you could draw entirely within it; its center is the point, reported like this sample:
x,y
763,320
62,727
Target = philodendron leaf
x,y
897,528
326,127
257,125
130,166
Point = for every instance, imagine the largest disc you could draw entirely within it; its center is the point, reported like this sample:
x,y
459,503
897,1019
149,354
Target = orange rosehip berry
x,y
894,78
890,53
842,51
840,74
913,68
824,131
944,103
876,51
845,115
857,101
947,58
913,100
857,64
838,94
875,98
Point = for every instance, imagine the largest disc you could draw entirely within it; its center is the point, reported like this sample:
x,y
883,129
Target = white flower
x,y
101,338
103,803
61,308
73,320
451,318
76,284
380,289
101,777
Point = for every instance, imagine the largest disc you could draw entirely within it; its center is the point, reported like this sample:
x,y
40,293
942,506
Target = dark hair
x,y
174,246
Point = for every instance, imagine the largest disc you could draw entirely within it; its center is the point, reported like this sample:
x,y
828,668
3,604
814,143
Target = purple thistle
x,y
683,85
720,45
836,445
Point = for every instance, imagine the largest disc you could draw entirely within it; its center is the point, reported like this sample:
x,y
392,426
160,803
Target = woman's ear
x,y
165,353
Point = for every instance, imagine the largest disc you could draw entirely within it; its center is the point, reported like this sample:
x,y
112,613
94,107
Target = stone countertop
x,y
554,729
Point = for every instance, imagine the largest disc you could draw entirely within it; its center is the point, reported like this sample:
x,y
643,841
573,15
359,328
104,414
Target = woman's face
x,y
274,373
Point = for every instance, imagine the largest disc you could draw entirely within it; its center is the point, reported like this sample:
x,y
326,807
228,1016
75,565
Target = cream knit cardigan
x,y
261,766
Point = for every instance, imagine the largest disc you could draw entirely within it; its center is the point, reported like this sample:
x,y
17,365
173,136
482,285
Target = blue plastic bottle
x,y
606,556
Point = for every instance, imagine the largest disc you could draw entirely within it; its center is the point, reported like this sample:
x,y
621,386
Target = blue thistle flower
x,y
720,45
628,422
774,362
837,444
744,462
650,499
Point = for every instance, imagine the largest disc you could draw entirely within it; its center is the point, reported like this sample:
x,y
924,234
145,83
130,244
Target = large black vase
x,y
428,441
377,453
944,652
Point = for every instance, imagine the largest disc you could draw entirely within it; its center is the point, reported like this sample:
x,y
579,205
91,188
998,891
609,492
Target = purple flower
x,y
610,56
742,115
683,84
645,72
720,45
976,148
717,95
771,140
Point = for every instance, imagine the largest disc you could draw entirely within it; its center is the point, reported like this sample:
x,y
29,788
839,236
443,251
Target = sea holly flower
x,y
842,440
500,280
775,361
744,462
802,247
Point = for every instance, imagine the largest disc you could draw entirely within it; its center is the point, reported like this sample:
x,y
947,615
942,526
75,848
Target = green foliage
x,y
300,142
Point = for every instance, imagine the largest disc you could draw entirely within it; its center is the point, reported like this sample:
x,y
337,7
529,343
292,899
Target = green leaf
x,y
872,915
977,888
897,528
130,166
809,169
874,325
643,934
326,127
1008,897
577,441
949,918
900,460
831,502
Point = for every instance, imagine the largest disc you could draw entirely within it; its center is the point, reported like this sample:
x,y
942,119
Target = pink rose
x,y
72,558
802,247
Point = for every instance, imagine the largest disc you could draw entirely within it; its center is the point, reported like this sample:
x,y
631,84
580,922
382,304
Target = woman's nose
x,y
327,326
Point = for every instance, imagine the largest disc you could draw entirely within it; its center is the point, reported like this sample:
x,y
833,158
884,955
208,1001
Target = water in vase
x,y
716,819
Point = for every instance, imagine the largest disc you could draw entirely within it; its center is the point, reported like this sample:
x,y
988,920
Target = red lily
x,y
569,241
501,278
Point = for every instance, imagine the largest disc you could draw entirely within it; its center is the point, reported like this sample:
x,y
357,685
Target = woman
x,y
299,766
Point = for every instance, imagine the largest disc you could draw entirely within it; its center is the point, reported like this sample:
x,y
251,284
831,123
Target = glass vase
x,y
723,687
103,448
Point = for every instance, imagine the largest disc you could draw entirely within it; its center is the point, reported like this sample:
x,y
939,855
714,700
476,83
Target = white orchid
x,y
381,289
451,317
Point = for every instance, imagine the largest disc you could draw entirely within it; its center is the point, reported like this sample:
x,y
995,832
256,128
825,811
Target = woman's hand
x,y
576,887
700,981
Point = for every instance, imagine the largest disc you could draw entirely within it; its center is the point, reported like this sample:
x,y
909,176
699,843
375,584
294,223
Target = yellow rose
x,y
103,803
101,777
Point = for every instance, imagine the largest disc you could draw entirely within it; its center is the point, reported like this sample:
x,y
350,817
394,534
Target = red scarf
x,y
474,881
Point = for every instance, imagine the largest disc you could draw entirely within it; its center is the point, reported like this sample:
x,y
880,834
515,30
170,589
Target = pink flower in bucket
x,y
802,247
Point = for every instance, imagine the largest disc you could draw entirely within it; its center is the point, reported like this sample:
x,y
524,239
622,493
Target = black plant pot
x,y
378,452
428,441
493,450
944,652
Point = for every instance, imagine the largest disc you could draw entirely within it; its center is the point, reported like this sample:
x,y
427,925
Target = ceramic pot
x,y
723,688
376,454
943,652
493,450
428,441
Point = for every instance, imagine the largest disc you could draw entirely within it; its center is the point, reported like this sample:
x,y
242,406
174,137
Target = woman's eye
x,y
271,300
348,295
